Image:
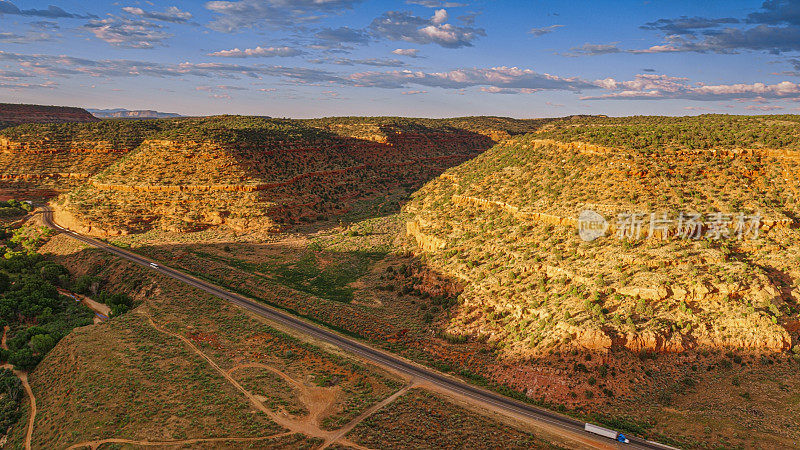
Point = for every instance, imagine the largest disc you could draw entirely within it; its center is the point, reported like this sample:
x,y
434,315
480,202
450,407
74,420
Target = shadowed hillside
x,y
239,173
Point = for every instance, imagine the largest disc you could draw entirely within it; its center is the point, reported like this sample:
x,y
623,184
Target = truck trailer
x,y
605,432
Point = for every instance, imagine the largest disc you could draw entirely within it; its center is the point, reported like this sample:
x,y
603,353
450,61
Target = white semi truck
x,y
605,432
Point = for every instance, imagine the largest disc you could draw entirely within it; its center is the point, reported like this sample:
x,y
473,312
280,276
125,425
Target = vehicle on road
x,y
611,434
154,266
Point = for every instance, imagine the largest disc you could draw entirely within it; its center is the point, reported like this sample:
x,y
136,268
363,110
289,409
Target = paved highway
x,y
443,382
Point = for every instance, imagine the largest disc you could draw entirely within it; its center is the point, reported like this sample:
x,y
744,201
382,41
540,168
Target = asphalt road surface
x,y
502,404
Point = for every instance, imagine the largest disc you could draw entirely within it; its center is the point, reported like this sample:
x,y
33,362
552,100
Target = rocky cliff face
x,y
506,225
16,114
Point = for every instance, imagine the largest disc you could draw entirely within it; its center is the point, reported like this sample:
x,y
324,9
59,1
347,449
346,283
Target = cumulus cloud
x,y
233,16
131,33
659,87
497,79
171,14
544,30
261,52
343,35
410,52
404,26
52,12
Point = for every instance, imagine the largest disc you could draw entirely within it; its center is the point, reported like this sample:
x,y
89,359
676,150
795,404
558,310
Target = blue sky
x,y
434,58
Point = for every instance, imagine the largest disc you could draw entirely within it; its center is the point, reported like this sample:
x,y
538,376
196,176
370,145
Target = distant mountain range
x,y
120,113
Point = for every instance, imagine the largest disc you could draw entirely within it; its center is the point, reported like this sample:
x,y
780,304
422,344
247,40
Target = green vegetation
x,y
419,419
11,397
325,275
656,133
38,317
506,220
331,280
25,239
94,286
12,208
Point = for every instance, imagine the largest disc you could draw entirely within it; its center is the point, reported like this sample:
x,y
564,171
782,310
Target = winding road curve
x,y
568,427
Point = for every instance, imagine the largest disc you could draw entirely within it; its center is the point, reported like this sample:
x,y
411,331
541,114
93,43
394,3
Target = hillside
x,y
506,222
238,173
186,369
61,155
12,114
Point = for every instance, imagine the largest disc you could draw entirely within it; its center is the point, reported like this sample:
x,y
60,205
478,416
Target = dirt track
x,y
23,377
317,400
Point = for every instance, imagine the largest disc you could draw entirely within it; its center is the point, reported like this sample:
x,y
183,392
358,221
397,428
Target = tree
x,y
24,359
5,282
52,272
42,343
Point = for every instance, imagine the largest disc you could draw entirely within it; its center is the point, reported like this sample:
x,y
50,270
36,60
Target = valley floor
x,y
187,369
383,295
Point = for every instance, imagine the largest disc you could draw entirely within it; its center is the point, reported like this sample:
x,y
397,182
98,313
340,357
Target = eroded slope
x,y
245,173
506,223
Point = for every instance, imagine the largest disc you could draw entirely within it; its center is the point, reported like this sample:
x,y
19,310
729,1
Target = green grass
x,y
324,275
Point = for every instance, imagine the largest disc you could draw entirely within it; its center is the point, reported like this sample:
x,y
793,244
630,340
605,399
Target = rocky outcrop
x,y
424,241
42,176
16,114
767,224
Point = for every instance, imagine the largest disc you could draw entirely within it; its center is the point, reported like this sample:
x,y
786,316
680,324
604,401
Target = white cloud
x,y
403,26
132,33
410,52
544,30
171,14
435,3
439,17
496,79
657,87
257,52
763,107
